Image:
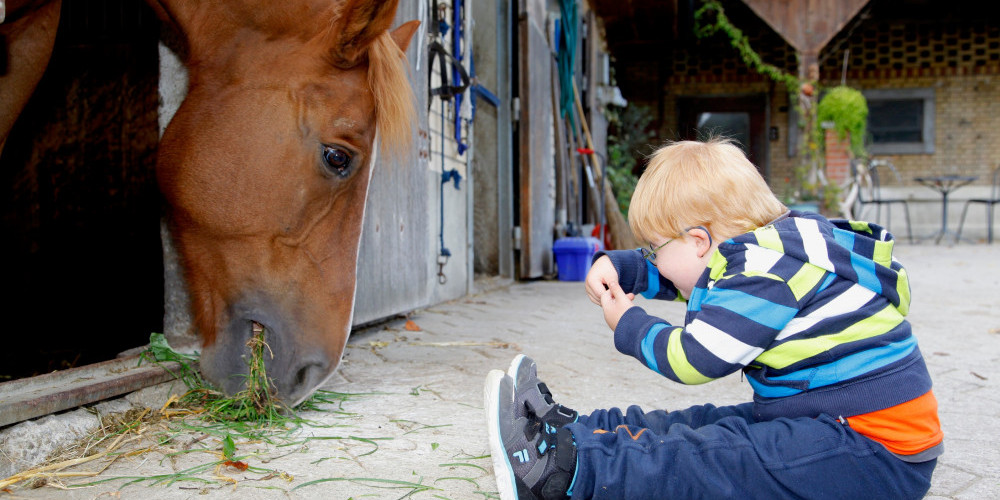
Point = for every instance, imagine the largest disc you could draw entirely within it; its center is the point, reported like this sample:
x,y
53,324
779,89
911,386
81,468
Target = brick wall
x,y
958,57
838,158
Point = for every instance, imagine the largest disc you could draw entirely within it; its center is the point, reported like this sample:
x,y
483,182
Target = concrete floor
x,y
413,425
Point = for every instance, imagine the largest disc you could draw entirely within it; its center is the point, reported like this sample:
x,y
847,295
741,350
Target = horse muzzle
x,y
294,366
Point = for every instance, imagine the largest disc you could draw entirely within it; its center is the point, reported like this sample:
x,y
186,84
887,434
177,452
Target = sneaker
x,y
532,396
531,460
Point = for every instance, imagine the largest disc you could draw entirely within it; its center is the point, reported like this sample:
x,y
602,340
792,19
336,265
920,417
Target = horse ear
x,y
404,34
359,24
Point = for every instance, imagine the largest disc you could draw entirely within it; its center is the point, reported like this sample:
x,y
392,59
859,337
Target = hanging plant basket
x,y
845,111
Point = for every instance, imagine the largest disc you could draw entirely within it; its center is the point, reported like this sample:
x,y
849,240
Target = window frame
x,y
923,147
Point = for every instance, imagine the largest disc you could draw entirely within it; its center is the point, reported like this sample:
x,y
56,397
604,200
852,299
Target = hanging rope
x,y
444,253
566,57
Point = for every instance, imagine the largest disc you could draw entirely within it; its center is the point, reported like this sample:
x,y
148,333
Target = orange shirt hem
x,y
904,429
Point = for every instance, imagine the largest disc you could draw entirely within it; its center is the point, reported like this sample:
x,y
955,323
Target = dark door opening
x,y
79,205
742,118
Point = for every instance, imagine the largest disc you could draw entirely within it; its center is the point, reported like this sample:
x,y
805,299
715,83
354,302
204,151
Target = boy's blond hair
x,y
691,183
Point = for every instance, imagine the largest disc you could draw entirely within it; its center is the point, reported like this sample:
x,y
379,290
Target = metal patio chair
x,y
990,202
870,192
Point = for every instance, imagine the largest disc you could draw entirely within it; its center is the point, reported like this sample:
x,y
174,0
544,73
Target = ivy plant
x,y
740,42
628,133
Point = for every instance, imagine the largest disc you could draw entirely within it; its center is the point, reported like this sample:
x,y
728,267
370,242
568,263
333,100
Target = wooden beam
x,y
33,397
807,25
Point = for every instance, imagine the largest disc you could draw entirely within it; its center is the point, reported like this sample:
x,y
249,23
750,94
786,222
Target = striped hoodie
x,y
811,310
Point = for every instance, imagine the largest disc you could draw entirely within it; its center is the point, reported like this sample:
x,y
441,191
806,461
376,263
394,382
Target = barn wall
x,y
401,244
491,160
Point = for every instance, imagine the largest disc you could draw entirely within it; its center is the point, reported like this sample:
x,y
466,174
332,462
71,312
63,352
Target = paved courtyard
x,y
406,418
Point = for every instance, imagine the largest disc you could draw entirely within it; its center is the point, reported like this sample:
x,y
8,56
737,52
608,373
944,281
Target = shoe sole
x,y
515,366
502,469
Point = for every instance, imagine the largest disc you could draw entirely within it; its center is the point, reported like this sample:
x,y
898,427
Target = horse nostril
x,y
303,377
300,377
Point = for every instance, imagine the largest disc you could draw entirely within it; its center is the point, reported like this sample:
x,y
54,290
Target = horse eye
x,y
337,159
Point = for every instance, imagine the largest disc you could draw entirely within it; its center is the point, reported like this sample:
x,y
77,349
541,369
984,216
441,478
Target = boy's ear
x,y
703,240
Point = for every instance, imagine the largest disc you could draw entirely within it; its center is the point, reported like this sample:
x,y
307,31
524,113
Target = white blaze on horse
x,y
265,166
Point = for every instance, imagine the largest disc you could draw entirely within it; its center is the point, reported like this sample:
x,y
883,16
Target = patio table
x,y
944,184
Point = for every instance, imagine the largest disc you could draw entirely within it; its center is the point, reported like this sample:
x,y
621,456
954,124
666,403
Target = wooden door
x,y
536,150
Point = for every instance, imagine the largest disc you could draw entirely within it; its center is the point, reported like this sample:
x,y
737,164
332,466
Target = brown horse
x,y
27,34
265,167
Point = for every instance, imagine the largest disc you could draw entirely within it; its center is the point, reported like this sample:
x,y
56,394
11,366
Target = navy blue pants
x,y
710,452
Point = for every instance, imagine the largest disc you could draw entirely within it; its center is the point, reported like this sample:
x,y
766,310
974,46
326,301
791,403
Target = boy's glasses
x,y
650,253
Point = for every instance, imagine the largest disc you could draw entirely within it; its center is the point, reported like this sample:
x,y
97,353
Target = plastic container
x,y
573,256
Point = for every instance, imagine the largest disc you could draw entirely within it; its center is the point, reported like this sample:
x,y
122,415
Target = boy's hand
x,y
600,277
615,302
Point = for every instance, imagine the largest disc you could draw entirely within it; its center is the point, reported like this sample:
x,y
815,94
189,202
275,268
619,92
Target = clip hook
x,y
442,260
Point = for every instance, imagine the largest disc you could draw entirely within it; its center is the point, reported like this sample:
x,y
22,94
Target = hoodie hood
x,y
858,251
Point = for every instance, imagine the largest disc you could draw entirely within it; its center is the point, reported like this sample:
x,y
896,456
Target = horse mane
x,y
394,100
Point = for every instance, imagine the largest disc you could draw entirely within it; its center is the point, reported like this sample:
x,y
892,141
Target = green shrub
x,y
628,135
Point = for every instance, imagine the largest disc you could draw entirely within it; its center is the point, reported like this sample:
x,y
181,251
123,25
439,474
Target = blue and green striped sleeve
x,y
730,325
639,276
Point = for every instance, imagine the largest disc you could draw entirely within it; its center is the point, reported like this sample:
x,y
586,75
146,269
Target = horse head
x,y
265,168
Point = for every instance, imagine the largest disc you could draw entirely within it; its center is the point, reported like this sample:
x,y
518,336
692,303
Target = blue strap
x,y
477,91
451,175
456,49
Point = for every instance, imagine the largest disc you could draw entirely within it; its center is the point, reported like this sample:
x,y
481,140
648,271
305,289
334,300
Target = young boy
x,y
810,310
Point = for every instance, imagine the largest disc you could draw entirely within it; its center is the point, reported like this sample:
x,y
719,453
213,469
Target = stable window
x,y
900,121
